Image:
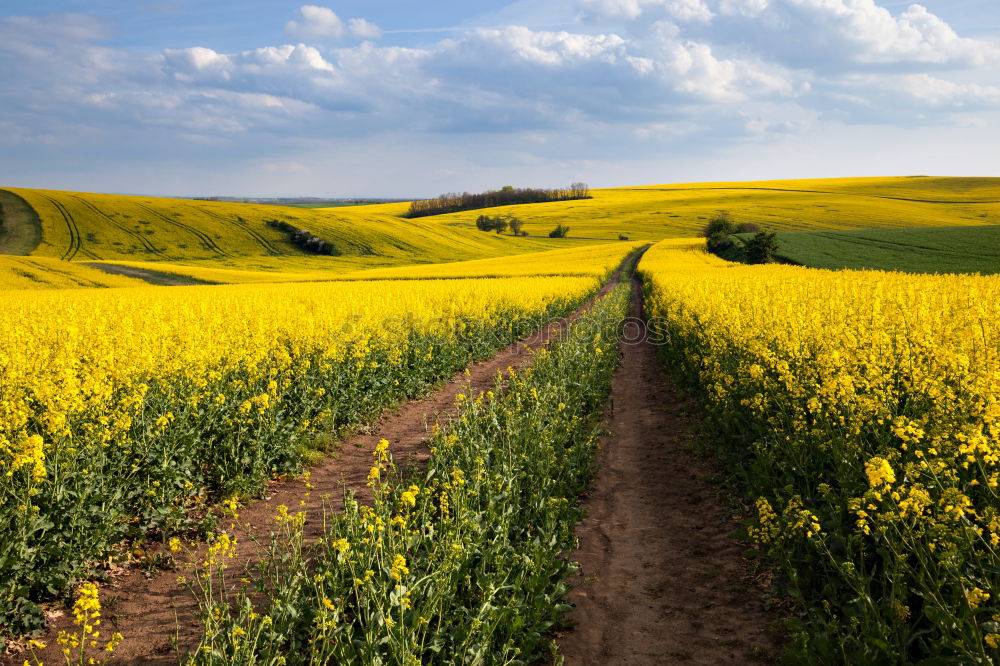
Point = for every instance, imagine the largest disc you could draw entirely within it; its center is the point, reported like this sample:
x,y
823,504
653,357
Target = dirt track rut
x,y
661,580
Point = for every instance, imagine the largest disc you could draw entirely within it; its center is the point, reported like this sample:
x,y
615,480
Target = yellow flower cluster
x,y
879,472
32,453
87,617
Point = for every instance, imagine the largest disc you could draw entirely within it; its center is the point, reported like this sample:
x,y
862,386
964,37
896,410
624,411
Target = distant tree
x,y
500,224
761,248
507,188
579,190
622,237
720,224
516,224
559,232
747,228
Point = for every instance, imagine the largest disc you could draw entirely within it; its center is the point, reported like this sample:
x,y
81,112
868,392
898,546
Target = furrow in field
x,y
256,236
75,242
145,242
205,239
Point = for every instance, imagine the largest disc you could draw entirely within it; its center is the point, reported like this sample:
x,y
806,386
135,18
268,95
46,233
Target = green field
x,y
927,250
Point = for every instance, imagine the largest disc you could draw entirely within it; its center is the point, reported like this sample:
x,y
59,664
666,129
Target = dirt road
x,y
661,582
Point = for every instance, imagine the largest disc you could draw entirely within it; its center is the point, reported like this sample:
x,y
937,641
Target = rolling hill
x,y
234,242
655,212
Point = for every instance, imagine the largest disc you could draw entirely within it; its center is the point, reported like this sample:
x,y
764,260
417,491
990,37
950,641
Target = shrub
x,y
500,223
761,248
719,241
622,237
303,239
719,224
559,232
748,228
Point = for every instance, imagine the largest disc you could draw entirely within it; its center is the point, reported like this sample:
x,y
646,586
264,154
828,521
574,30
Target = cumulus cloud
x,y
363,29
651,71
491,80
832,33
630,10
607,68
809,33
917,92
321,24
203,65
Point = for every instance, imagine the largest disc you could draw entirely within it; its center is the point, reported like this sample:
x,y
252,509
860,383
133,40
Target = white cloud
x,y
321,24
548,49
641,75
202,65
614,73
630,10
925,90
830,33
363,29
316,23
743,7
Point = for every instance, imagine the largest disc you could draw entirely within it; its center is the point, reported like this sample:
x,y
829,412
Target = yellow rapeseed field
x,y
593,260
863,410
123,409
44,273
654,212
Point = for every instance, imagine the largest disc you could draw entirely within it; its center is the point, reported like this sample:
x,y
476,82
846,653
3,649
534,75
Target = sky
x,y
414,98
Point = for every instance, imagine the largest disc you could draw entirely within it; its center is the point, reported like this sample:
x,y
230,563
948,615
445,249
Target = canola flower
x,y
121,410
462,562
84,645
862,410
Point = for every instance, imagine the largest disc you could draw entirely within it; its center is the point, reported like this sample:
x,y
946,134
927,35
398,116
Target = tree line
x,y
505,196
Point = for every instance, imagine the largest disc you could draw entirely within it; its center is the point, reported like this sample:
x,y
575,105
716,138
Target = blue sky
x,y
416,98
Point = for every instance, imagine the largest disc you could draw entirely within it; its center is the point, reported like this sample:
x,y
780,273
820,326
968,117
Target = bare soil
x,y
159,278
662,580
151,610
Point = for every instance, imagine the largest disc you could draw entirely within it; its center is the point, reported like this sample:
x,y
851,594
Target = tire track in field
x,y
205,239
145,242
263,242
151,612
75,241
